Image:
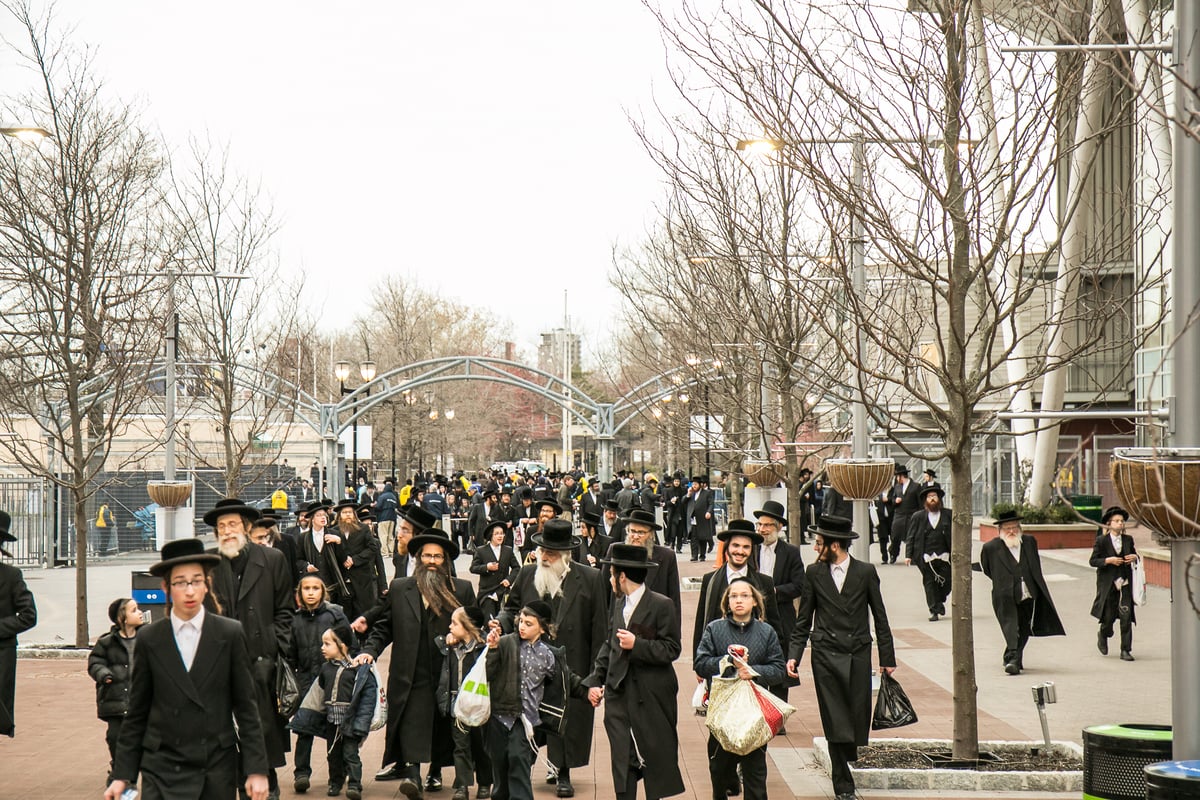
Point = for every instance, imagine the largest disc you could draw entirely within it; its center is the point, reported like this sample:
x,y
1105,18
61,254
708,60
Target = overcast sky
x,y
480,146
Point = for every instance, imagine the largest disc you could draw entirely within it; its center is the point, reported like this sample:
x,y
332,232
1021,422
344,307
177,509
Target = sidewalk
x,y
59,749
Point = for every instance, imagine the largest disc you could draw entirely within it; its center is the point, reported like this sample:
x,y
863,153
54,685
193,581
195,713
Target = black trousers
x,y
935,576
303,757
471,759
1118,606
896,537
722,771
840,756
1014,651
110,737
512,759
344,761
883,533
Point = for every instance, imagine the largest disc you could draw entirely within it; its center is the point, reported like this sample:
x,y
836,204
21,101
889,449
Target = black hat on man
x,y
642,517
901,469
629,555
592,519
741,527
502,524
933,487
182,551
834,528
773,509
418,517
538,504
5,524
433,536
1111,512
556,535
1008,516
337,510
612,505
315,506
231,505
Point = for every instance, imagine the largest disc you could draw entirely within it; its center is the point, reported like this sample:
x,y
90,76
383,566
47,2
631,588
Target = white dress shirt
x,y
731,573
766,558
187,636
838,571
631,602
318,537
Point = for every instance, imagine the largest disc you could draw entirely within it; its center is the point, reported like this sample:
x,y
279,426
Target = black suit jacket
x,y
1107,574
509,564
179,731
663,579
1007,575
922,537
788,575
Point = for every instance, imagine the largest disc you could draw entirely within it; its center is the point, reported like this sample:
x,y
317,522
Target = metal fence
x,y
24,498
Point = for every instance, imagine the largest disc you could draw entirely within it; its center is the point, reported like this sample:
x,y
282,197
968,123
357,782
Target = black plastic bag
x,y
287,691
892,706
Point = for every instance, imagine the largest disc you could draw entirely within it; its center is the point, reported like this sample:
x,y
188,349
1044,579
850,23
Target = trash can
x,y
1114,757
1173,780
151,597
1088,505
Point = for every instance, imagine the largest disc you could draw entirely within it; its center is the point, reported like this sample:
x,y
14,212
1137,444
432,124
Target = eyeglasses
x,y
183,586
433,557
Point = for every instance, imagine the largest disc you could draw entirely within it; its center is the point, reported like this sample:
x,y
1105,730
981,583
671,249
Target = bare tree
x,y
915,179
237,314
77,223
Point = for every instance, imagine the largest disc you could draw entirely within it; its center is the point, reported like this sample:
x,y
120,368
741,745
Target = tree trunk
x,y
79,499
962,632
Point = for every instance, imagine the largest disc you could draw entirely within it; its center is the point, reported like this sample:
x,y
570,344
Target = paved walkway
x,y
59,749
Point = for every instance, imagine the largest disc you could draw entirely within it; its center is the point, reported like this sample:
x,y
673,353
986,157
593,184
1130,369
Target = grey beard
x,y
549,580
232,549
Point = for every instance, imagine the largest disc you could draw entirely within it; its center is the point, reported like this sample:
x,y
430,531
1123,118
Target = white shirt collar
x,y
844,566
632,600
197,621
731,573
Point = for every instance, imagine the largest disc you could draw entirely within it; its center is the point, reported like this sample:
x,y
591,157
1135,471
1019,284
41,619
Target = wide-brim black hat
x,y
432,536
418,517
591,518
1111,512
773,509
834,528
556,535
642,517
537,505
1008,516
345,504
901,470
231,505
933,487
740,527
182,551
491,526
315,506
5,524
612,505
628,555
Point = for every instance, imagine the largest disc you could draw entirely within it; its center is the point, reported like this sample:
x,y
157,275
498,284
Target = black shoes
x,y
1102,644
484,792
1012,668
301,784
433,783
1127,656
410,789
354,793
334,790
391,773
461,793
565,789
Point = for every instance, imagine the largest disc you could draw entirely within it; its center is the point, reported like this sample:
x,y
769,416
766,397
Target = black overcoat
x,y
664,579
264,604
490,581
713,586
640,693
837,625
179,732
703,530
581,626
597,547
1106,574
399,622
17,615
999,565
363,549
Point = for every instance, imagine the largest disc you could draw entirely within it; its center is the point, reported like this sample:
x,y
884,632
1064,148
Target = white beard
x,y
548,580
233,548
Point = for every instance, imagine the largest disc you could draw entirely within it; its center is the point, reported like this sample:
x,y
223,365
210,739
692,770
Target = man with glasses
x,y
415,612
191,683
639,532
783,562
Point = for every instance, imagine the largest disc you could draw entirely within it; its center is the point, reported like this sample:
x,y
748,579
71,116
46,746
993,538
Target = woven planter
x,y
169,494
1161,488
764,473
860,478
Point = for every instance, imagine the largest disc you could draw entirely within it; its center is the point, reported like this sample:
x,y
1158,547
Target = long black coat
x,y
837,625
581,626
704,529
713,586
263,605
596,547
17,615
179,732
999,565
640,693
1106,574
788,574
490,582
399,622
328,562
664,579
363,549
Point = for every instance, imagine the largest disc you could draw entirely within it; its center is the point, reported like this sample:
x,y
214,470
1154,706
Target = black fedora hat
x,y
556,535
642,517
741,527
231,505
1108,514
1008,516
901,469
5,524
432,536
834,528
502,524
628,555
612,505
345,504
933,487
929,471
418,517
591,518
365,513
315,506
182,551
537,506
773,509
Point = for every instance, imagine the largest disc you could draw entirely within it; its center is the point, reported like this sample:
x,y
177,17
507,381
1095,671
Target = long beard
x,y
548,578
232,549
434,586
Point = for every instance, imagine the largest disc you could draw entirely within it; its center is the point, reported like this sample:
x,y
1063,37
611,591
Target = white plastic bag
x,y
700,699
1139,583
379,715
474,703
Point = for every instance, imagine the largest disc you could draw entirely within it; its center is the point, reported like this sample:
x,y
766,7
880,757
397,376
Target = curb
x,y
1070,782
50,651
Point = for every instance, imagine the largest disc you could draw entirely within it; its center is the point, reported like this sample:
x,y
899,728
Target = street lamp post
x,y
342,371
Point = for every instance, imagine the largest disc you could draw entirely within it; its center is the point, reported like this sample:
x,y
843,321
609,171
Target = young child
x,y
743,634
349,692
528,681
110,665
311,619
462,647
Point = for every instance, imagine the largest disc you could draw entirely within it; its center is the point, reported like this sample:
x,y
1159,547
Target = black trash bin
x,y
151,597
1088,505
1173,780
1114,757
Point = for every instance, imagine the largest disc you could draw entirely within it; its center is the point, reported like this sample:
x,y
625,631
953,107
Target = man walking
x,y
193,722
740,539
904,502
17,615
639,532
928,544
839,593
1020,599
1113,556
387,503
783,562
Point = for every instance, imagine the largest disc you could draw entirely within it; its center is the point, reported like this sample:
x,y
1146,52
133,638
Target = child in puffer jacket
x,y
462,647
111,664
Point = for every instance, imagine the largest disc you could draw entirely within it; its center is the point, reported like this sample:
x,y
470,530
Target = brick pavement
x,y
59,749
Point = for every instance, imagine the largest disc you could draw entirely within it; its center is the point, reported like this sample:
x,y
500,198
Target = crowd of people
x,y
574,605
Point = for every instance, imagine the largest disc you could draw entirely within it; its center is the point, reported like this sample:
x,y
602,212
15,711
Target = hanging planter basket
x,y
764,473
1161,488
170,494
860,478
